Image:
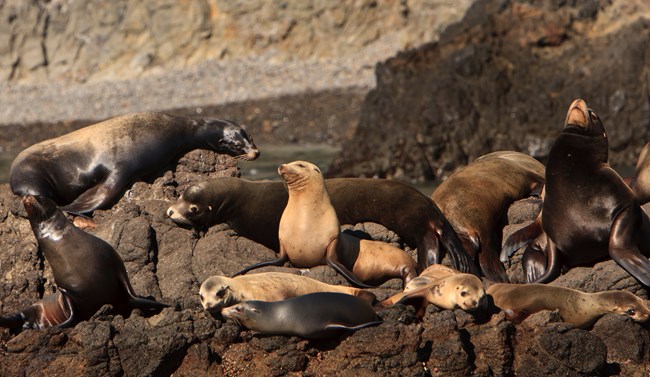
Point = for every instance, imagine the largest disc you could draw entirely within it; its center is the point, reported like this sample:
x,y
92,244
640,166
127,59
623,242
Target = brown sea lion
x,y
218,292
91,167
315,315
88,272
253,210
475,199
578,308
589,213
640,183
444,287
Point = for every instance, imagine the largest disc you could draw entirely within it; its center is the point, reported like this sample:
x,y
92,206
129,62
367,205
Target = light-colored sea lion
x,y
640,183
253,210
589,213
89,168
309,231
475,199
218,292
315,315
444,287
88,272
578,308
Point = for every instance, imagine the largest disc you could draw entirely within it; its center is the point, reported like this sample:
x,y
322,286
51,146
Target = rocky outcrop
x,y
502,79
169,263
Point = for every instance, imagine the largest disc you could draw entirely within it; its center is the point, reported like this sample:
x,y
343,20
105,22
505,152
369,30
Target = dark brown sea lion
x,y
89,168
253,210
88,272
218,292
578,308
475,199
589,213
315,315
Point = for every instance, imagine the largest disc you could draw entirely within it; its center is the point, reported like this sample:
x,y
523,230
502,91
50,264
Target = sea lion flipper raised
x,y
623,249
93,198
333,262
521,238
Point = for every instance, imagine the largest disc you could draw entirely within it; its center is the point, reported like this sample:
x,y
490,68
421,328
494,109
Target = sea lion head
x,y
628,304
583,120
299,174
246,314
235,141
46,219
216,294
468,292
190,210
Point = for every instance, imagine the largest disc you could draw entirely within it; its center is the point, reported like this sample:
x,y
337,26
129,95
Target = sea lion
x,y
640,183
88,272
444,287
309,233
315,315
218,292
578,308
89,168
589,213
253,210
475,199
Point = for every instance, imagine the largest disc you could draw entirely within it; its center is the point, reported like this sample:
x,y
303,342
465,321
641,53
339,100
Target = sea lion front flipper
x,y
623,249
333,262
521,238
553,263
461,258
282,259
95,197
352,328
72,317
146,304
534,261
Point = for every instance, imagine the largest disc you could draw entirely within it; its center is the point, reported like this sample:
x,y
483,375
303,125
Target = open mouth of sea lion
x,y
578,114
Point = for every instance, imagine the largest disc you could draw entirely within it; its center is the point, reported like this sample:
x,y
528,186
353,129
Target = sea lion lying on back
x,y
218,292
91,167
253,210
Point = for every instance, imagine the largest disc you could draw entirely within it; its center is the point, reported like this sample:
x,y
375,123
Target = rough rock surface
x,y
502,79
169,263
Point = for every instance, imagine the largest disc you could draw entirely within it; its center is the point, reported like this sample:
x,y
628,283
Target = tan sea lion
x,y
91,167
640,183
88,273
315,315
475,199
253,210
309,231
444,287
578,308
218,292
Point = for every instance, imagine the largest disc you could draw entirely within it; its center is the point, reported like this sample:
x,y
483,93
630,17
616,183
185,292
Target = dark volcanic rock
x,y
502,79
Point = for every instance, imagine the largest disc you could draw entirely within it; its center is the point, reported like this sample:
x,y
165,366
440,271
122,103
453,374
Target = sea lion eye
x,y
194,209
464,294
301,165
630,311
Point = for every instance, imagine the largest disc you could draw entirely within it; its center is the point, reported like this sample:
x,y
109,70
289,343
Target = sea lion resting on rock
x,y
88,273
315,315
640,183
90,167
578,308
253,210
444,287
309,232
218,292
589,213
475,199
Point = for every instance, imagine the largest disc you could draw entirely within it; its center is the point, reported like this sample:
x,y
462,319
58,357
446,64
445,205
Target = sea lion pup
x,y
640,183
90,168
589,213
476,198
444,287
315,315
218,292
581,309
253,210
88,272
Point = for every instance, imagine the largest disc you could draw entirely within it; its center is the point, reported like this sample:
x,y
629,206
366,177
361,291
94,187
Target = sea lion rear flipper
x,y
340,268
521,238
553,263
623,248
534,262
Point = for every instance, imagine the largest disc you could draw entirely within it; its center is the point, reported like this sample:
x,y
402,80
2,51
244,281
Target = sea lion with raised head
x,y
253,210
315,315
88,272
476,198
581,309
218,292
589,213
91,167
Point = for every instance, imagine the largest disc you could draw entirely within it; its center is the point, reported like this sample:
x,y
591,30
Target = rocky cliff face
x,y
502,79
170,263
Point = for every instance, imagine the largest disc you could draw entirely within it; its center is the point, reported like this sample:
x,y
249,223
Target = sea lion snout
x,y
578,114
